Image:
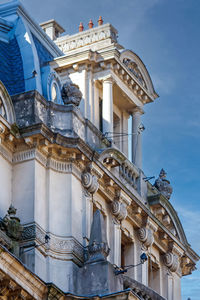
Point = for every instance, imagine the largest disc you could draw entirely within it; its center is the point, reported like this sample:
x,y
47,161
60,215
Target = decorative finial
x,y
81,28
100,21
90,24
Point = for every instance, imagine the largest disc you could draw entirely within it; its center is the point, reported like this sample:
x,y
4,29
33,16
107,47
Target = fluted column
x,y
107,112
137,137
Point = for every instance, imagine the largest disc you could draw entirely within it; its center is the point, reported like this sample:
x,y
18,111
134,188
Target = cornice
x,y
59,247
28,281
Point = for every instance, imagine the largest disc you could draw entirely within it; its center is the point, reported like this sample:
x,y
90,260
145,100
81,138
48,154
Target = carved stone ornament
x,y
11,224
163,185
145,235
90,182
171,261
133,68
119,210
71,94
2,109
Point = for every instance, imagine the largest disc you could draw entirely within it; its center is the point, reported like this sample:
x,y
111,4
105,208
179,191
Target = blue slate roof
x,y
11,67
43,54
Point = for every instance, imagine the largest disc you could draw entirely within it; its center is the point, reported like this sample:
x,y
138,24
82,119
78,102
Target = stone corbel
x,y
187,266
171,261
119,205
119,210
172,258
90,182
146,233
90,178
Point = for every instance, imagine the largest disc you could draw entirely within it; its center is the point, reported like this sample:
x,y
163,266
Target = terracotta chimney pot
x,y
100,21
90,24
81,27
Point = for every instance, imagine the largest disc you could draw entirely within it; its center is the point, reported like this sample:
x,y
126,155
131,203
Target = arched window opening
x,y
2,110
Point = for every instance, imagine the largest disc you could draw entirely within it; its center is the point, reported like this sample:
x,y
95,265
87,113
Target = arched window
x,y
2,110
6,106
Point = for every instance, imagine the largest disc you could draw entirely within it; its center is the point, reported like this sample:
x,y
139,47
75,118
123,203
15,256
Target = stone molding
x,y
58,247
51,163
5,153
19,276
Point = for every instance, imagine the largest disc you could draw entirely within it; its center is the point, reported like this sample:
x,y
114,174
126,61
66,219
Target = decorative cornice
x,y
31,285
57,247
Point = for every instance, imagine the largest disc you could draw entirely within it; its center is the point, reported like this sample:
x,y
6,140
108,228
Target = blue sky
x,y
166,36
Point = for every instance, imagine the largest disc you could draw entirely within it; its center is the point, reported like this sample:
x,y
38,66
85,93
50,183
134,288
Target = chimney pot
x,y
100,21
81,27
90,24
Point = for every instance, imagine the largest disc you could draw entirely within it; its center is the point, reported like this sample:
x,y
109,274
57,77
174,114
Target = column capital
x,y
108,79
137,110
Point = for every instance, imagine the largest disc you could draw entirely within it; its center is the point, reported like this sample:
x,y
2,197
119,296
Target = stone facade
x,y
85,214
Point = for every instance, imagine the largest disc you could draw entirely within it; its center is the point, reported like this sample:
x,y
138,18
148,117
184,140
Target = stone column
x,y
107,105
136,137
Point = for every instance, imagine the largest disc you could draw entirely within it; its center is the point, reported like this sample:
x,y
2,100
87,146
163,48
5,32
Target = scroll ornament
x,y
90,182
119,210
145,236
171,261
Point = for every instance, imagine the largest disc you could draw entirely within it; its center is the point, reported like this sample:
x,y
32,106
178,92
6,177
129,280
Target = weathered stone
x,y
163,185
71,94
98,248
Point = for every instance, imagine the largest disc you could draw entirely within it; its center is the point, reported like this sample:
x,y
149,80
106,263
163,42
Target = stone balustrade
x,y
87,37
130,173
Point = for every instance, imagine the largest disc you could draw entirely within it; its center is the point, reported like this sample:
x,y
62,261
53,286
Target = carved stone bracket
x,y
119,210
119,205
171,261
90,178
145,235
90,182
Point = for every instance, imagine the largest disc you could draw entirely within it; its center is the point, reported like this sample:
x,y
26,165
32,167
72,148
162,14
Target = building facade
x,y
79,218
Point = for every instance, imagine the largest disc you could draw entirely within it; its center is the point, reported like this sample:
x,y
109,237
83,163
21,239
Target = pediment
x,y
166,214
135,66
